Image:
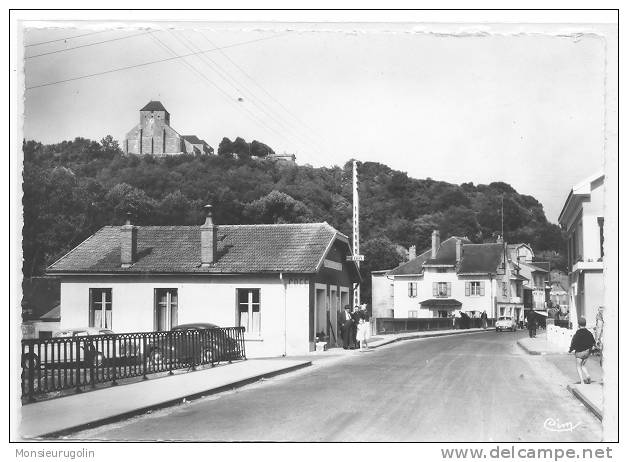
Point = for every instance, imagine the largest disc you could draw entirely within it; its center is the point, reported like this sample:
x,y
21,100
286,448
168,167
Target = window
x,y
441,270
412,289
100,308
166,309
248,311
413,314
443,314
505,289
474,288
441,289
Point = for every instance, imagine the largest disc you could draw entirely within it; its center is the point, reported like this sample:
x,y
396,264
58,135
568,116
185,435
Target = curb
x,y
173,401
587,403
530,352
414,337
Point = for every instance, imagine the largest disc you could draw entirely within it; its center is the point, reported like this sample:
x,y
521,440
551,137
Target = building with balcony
x,y
582,217
453,275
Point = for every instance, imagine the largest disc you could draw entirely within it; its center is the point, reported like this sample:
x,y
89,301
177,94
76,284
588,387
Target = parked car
x,y
194,343
505,323
55,352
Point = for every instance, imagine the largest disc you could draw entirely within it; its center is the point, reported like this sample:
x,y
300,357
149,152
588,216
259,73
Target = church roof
x,y
193,139
154,106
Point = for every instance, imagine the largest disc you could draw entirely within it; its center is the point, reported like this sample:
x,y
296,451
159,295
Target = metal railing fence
x,y
398,325
79,362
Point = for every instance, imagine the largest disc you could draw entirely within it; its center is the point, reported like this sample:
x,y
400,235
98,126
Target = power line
x,y
86,45
234,84
149,63
66,38
223,92
256,83
266,108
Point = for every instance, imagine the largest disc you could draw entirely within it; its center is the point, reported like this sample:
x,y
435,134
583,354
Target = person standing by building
x,y
356,320
484,318
363,328
346,327
581,344
531,319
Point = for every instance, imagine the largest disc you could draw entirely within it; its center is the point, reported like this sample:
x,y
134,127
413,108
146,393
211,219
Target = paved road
x,y
475,387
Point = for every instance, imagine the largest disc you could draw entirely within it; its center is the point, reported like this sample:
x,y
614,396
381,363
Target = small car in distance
x,y
505,323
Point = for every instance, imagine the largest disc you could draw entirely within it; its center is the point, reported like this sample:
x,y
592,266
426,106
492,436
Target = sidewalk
x,y
590,395
81,410
379,340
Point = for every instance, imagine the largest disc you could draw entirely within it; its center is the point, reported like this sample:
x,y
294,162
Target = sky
x,y
525,109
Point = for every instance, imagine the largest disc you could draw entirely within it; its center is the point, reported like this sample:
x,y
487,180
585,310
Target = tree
x,y
124,199
277,207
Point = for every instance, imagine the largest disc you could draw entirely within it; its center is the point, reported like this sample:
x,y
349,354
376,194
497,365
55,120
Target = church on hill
x,y
154,135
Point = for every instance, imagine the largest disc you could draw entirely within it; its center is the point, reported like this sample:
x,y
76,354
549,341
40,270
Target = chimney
x,y
435,242
128,243
458,250
208,239
412,253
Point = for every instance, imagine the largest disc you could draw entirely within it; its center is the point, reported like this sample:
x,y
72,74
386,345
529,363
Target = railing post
x,y
77,358
31,376
92,365
170,335
115,360
144,359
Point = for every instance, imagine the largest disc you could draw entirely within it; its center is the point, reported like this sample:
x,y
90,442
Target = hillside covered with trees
x,y
73,188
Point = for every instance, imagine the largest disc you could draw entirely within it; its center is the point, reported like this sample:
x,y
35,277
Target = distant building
x,y
285,157
452,276
154,135
40,307
582,217
382,294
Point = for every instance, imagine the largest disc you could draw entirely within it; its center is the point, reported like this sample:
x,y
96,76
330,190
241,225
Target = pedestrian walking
x,y
531,319
581,344
484,318
346,327
363,328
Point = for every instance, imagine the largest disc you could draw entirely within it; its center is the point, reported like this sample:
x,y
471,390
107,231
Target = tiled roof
x,y
414,266
177,249
446,255
480,258
154,106
193,139
52,315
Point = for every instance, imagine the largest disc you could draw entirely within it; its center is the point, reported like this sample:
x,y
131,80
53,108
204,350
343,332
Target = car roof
x,y
195,325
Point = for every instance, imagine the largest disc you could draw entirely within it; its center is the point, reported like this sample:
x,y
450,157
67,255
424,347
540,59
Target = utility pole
x,y
356,229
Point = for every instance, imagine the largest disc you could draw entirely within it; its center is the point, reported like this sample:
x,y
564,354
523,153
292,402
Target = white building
x,y
455,275
582,217
284,283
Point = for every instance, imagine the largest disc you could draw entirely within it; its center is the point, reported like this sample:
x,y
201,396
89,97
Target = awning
x,y
542,313
441,303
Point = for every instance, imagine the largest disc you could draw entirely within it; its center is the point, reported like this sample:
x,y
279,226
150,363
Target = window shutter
x,y
482,288
467,288
435,289
409,289
449,289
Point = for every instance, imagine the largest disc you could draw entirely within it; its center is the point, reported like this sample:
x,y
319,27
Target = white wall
x,y
382,295
200,299
403,303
